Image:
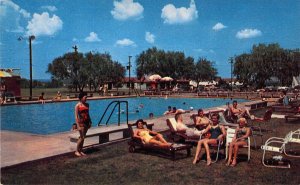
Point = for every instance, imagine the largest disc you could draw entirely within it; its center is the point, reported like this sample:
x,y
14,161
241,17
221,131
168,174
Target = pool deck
x,y
18,147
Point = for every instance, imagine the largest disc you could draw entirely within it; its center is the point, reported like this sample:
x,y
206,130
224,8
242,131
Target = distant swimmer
x,y
122,111
141,105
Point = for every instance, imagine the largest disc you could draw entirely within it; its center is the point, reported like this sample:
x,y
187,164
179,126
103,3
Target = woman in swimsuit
x,y
217,133
83,121
241,138
148,136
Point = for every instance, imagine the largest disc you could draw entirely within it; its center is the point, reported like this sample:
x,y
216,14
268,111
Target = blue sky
x,y
214,29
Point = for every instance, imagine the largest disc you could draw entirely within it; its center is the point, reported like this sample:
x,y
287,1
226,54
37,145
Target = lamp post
x,y
30,39
231,62
128,67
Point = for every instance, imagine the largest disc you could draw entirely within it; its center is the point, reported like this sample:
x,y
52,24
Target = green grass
x,y
113,164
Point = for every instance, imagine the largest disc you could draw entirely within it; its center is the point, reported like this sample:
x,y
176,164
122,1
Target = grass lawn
x,y
113,164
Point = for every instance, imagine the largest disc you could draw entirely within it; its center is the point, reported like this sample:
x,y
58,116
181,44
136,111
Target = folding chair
x,y
292,137
274,144
229,136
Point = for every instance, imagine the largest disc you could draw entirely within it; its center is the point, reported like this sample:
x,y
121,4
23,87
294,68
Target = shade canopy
x,y
154,77
4,74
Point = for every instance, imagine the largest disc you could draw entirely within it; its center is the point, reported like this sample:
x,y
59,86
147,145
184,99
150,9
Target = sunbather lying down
x,y
148,136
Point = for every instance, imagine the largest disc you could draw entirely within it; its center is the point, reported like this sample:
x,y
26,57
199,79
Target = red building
x,y
11,81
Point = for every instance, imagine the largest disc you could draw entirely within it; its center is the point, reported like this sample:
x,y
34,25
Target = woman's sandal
x,y
208,163
233,164
195,162
78,154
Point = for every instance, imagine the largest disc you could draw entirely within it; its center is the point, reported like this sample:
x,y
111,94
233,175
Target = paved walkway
x,y
18,147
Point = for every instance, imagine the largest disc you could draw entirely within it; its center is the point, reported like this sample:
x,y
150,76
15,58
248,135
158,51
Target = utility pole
x,y
30,39
128,67
231,62
75,48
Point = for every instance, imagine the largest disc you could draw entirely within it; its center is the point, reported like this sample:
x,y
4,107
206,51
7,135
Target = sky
x,y
211,29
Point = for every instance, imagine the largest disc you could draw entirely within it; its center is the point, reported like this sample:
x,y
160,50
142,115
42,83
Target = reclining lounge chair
x,y
135,143
178,136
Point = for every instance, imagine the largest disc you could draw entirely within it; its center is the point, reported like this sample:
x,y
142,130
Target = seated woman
x,y
181,127
148,136
217,133
201,120
241,138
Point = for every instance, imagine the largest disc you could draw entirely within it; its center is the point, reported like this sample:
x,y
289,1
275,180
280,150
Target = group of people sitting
x,y
209,132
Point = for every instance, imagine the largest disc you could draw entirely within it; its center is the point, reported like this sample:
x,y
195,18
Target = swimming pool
x,y
58,117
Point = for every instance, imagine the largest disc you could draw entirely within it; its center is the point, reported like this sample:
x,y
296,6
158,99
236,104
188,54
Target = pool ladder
x,y
115,103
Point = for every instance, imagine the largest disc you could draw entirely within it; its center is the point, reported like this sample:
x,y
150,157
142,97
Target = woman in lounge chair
x,y
217,134
240,139
148,136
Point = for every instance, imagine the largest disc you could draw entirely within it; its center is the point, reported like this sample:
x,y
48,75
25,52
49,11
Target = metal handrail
x,y
116,102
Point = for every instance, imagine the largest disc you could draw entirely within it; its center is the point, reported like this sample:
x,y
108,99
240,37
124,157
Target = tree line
x,y
265,62
253,69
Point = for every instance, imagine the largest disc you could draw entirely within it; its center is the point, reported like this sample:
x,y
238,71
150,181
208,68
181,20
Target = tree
x,y
204,70
264,62
173,64
82,69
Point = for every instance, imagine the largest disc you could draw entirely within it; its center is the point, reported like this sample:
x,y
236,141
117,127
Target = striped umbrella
x,y
4,74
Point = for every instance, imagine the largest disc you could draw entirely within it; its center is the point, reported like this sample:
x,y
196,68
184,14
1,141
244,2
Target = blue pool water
x,y
58,117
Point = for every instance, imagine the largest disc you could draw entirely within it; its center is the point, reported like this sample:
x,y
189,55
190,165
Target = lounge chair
x,y
135,143
279,145
293,117
179,136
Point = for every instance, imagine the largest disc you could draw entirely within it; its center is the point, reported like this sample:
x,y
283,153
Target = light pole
x,y
128,67
231,62
30,39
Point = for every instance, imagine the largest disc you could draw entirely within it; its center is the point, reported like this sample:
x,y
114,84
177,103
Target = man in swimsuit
x,y
238,112
148,136
181,127
201,120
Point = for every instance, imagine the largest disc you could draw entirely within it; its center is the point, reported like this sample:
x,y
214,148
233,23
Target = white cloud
x,y
13,15
125,42
9,4
75,39
149,37
173,15
42,24
127,9
248,33
93,37
219,26
50,8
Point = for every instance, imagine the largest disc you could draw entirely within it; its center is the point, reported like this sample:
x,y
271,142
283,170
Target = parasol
x,y
154,77
167,79
4,74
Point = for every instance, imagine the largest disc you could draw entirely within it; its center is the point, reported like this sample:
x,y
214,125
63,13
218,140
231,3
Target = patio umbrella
x,y
167,79
4,74
154,77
